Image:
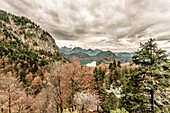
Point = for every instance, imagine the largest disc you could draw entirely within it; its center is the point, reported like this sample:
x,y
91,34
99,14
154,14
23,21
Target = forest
x,y
32,83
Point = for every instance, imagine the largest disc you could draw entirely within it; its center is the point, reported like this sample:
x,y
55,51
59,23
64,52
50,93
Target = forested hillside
x,y
22,49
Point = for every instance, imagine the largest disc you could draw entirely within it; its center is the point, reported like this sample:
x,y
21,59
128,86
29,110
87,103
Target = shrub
x,y
123,110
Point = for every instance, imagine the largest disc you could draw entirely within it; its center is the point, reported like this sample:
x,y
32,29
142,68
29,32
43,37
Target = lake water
x,y
92,64
89,63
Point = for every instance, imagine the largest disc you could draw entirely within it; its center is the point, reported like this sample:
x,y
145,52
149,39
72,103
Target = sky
x,y
116,25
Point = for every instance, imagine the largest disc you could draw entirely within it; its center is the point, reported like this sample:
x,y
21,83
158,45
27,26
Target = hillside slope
x,y
24,47
80,56
27,31
106,57
101,57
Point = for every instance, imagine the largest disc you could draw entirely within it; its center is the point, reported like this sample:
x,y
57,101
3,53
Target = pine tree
x,y
110,65
134,98
150,58
119,64
99,79
110,102
114,63
152,78
99,76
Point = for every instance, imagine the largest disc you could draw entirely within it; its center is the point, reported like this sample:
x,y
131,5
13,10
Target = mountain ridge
x,y
89,51
25,48
27,31
97,55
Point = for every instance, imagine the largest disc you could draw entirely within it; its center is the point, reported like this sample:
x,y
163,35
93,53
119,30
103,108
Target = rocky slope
x,y
26,31
24,47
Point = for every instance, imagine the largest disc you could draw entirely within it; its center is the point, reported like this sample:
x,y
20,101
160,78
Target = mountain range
x,y
99,56
90,52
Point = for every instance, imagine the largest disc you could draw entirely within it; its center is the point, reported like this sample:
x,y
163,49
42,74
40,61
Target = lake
x,y
89,63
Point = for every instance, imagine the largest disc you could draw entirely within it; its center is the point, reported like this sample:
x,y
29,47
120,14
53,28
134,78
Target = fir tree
x,y
114,63
134,98
146,82
150,58
119,64
110,65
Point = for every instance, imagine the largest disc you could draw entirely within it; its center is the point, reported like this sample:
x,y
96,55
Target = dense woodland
x,y
35,80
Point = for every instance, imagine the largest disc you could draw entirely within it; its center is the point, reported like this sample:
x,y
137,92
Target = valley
x,y
99,56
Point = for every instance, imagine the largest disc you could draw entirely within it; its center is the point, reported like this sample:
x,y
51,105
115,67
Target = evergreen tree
x,y
99,76
134,98
95,70
22,76
99,79
110,65
150,58
112,68
114,63
116,74
146,82
110,102
119,64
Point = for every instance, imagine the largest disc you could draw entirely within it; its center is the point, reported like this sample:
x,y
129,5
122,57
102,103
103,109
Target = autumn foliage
x,y
52,88
70,78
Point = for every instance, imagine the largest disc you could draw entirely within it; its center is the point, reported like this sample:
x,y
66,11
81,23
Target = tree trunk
x,y
61,109
9,99
9,103
97,107
82,108
72,95
61,102
57,109
72,108
2,110
19,111
152,100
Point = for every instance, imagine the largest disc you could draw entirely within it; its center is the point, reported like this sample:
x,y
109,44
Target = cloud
x,y
122,23
62,34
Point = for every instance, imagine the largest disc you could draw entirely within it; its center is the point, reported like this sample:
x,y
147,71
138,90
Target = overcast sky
x,y
116,25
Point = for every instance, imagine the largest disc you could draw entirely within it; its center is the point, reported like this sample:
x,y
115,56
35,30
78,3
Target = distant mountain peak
x,y
77,48
90,49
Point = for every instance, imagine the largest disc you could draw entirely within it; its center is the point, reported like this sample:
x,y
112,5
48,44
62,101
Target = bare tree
x,y
86,101
12,93
42,101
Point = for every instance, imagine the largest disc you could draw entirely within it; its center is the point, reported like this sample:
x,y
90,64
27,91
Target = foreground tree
x,y
42,101
12,94
86,101
149,79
